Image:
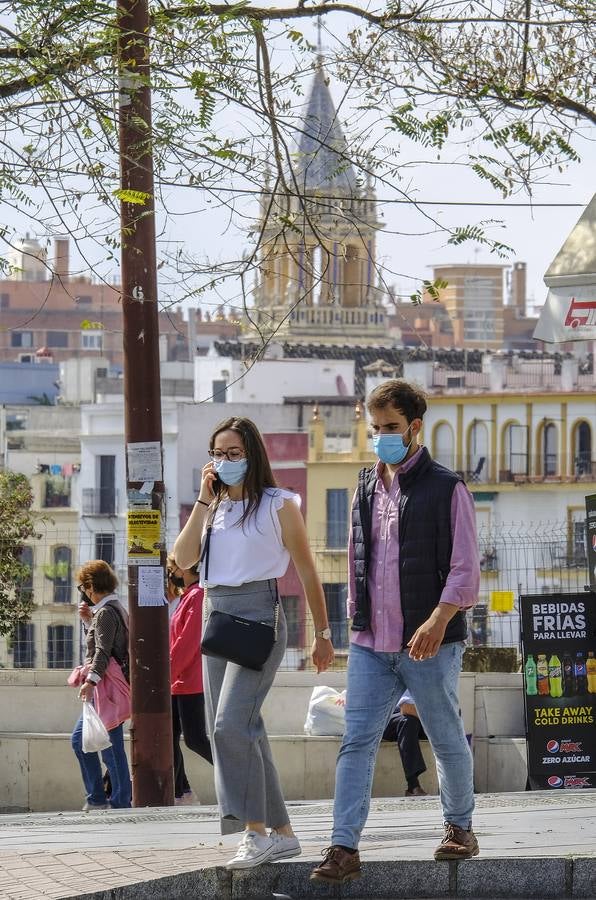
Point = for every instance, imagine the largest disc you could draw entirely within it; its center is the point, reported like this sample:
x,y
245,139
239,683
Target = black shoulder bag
x,y
244,642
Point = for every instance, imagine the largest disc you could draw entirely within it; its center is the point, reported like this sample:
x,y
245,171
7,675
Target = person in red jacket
x,y
186,674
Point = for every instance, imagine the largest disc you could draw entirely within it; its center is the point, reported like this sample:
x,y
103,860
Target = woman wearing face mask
x,y
188,702
106,626
255,528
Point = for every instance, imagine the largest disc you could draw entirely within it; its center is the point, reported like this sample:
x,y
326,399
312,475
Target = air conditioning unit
x,y
26,357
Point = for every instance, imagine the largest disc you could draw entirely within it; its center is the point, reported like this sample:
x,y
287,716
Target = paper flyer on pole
x,y
144,461
144,537
151,586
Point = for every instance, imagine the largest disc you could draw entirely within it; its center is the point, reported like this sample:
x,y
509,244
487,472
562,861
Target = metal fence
x,y
543,558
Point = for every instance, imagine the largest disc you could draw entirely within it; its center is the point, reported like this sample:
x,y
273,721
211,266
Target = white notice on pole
x,y
151,586
144,461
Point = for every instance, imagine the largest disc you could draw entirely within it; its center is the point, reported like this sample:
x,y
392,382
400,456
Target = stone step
x,y
40,770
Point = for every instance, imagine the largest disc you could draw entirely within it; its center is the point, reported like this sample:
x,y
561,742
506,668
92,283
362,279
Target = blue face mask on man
x,y
390,448
231,471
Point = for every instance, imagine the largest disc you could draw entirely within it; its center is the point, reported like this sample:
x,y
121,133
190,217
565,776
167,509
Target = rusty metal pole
x,y
151,729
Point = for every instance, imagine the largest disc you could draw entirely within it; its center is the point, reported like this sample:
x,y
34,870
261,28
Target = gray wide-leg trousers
x,y
246,780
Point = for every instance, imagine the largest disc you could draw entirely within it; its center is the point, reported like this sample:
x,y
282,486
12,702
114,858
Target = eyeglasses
x,y
232,455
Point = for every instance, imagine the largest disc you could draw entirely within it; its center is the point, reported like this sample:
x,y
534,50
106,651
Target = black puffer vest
x,y
424,544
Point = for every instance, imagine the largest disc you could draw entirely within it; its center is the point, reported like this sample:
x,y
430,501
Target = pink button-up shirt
x,y
463,581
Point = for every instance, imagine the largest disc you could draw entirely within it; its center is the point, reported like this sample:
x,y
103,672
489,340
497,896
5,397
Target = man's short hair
x,y
409,399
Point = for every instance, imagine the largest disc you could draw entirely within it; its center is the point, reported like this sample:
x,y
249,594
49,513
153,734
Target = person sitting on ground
x,y
406,729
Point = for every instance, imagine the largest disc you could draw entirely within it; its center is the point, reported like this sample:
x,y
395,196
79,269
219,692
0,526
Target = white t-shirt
x,y
250,551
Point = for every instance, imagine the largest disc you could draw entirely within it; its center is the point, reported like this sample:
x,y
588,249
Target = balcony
x,y
99,501
56,492
521,468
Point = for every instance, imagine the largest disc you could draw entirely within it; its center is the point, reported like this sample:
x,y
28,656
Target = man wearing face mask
x,y
414,569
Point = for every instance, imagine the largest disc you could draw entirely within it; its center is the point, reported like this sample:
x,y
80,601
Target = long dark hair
x,y
258,474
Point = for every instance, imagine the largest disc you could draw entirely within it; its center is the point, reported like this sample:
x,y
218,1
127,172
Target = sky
x,y
535,233
407,246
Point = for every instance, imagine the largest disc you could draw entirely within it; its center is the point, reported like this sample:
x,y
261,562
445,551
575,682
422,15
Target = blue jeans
x,y
117,765
375,683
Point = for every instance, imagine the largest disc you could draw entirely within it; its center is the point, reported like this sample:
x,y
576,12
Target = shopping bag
x,y
326,712
78,675
112,696
95,735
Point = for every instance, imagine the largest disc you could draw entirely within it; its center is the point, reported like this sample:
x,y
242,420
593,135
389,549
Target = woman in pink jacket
x,y
186,672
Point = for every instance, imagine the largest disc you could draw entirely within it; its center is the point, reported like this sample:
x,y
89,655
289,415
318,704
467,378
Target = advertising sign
x,y
591,538
569,314
559,662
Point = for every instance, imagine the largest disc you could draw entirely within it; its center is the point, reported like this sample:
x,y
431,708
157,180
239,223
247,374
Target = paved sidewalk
x,y
532,845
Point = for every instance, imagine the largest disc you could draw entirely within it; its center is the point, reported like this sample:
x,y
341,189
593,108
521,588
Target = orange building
x,y
45,311
483,307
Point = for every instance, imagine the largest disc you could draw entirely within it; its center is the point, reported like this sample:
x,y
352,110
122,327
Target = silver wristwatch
x,y
325,633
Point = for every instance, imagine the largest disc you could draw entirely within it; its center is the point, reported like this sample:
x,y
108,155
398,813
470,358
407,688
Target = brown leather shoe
x,y
457,844
416,792
337,866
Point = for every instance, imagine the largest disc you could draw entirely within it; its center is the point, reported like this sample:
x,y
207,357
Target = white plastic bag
x,y
95,736
326,712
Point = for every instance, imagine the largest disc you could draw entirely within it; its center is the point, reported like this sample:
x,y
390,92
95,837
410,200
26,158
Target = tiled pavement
x,y
526,839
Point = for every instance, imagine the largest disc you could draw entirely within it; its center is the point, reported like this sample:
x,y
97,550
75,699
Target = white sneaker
x,y
284,847
253,849
92,807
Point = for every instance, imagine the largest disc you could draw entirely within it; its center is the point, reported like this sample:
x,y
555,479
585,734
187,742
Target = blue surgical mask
x,y
231,472
390,448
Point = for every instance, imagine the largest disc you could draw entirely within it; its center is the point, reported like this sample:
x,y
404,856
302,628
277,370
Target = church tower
x,y
318,280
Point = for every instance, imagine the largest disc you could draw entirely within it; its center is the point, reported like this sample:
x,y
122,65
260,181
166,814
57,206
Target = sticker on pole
x,y
144,537
144,461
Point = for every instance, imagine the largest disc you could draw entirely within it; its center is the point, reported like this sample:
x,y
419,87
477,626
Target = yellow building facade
x,y
527,459
51,639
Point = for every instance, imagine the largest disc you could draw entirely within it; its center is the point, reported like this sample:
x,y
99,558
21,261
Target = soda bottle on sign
x,y
555,676
580,674
568,680
542,675
531,680
591,671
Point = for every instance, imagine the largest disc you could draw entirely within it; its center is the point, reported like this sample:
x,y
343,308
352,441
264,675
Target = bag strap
x,y
124,663
205,554
275,612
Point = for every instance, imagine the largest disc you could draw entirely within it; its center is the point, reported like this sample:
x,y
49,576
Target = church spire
x,y
323,163
319,44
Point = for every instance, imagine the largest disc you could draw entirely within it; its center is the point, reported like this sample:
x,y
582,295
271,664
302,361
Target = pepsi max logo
x,y
576,781
555,781
552,746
